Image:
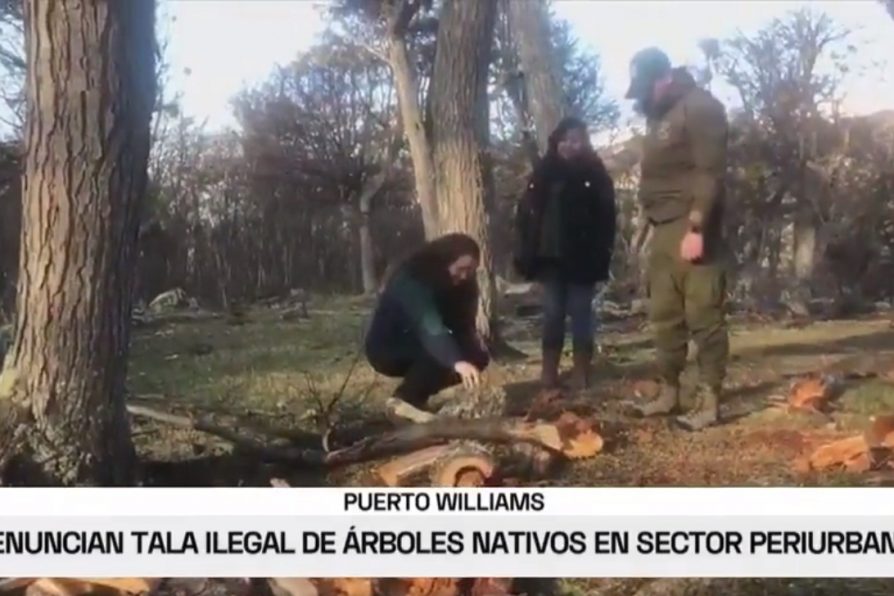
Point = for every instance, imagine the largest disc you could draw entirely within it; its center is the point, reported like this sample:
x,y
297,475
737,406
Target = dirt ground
x,y
281,376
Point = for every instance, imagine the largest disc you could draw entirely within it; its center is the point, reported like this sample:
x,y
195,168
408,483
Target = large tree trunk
x,y
367,254
459,89
90,93
414,127
804,257
529,23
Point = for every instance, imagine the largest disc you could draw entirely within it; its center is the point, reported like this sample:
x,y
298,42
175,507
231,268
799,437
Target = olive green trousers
x,y
688,301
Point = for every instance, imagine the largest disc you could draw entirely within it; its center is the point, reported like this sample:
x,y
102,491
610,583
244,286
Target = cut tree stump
x,y
851,454
813,392
871,450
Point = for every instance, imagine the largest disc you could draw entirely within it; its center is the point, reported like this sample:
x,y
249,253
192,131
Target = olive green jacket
x,y
684,156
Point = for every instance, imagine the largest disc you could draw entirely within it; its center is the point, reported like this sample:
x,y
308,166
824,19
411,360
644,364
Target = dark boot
x,y
549,374
705,413
664,403
580,374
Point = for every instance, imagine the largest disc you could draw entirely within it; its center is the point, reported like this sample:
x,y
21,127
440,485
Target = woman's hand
x,y
470,376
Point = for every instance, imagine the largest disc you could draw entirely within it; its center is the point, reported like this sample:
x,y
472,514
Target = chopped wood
x,y
491,586
881,432
53,587
398,470
419,586
117,586
813,392
344,586
851,454
10,584
292,586
579,439
125,585
464,469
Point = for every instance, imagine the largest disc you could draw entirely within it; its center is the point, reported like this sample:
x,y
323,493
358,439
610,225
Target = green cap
x,y
646,67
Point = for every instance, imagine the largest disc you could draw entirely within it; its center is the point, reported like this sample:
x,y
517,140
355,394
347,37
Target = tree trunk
x,y
90,93
529,22
420,147
367,257
804,247
459,89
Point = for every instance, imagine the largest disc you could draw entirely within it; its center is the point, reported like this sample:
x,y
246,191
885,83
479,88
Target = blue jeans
x,y
561,299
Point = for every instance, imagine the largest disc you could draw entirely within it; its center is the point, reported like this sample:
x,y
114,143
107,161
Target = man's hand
x,y
470,376
693,246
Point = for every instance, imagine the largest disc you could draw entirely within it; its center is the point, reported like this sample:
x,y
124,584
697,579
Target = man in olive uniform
x,y
681,194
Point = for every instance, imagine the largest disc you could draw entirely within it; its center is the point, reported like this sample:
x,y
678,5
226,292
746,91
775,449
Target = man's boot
x,y
705,412
580,374
549,373
664,403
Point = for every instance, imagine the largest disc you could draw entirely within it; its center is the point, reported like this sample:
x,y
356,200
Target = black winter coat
x,y
574,205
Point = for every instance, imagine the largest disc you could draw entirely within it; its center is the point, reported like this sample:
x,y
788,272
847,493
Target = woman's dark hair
x,y
565,125
429,265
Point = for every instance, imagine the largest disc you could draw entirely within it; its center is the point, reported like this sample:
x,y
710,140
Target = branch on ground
x,y
570,436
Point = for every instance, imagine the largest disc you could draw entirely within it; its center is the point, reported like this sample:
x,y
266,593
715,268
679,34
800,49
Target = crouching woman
x,y
423,328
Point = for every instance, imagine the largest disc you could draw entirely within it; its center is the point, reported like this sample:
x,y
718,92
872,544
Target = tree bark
x,y
90,87
459,89
407,85
529,22
367,256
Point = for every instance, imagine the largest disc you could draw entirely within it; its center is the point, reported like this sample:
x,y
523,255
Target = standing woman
x,y
423,329
565,226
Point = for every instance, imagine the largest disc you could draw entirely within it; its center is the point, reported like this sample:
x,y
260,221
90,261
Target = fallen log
x,y
571,436
401,469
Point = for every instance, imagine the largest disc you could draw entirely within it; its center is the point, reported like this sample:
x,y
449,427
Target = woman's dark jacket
x,y
565,221
412,316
